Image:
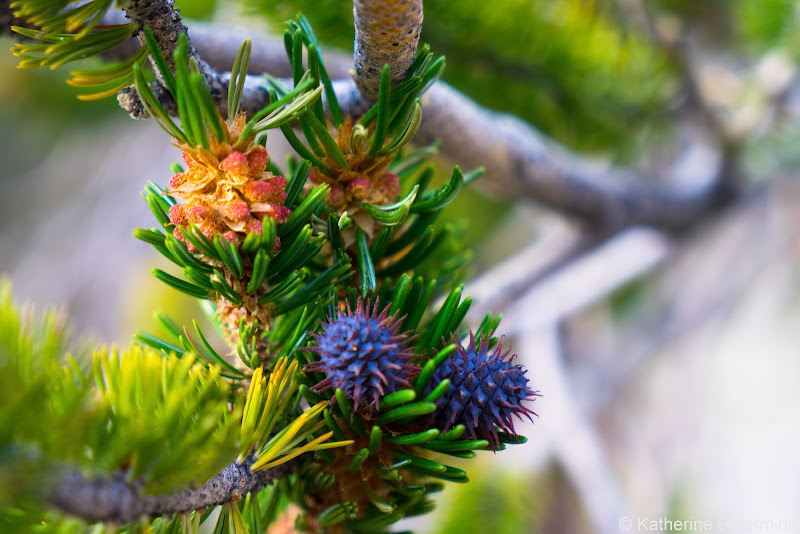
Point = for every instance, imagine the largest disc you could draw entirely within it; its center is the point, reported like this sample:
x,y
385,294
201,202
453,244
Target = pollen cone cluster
x,y
227,188
228,191
367,180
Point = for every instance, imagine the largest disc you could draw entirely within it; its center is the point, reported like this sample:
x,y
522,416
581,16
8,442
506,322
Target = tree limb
x,y
117,501
700,282
387,33
218,45
493,290
161,17
588,279
523,162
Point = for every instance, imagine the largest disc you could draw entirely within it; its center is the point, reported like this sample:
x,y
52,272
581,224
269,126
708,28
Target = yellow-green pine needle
x,y
266,401
302,435
249,419
332,445
277,444
288,433
294,454
290,436
113,90
236,523
86,78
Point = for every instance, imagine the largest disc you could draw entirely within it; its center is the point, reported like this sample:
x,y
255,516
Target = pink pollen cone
x,y
196,213
257,159
255,226
279,183
336,196
235,163
177,180
359,188
281,214
238,211
390,185
258,191
177,215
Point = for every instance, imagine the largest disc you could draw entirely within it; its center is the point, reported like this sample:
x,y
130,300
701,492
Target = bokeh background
x,y
669,367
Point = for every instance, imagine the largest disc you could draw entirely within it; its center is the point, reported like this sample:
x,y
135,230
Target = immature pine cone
x,y
363,355
485,391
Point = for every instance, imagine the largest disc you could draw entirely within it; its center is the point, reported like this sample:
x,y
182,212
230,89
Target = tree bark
x,y
387,33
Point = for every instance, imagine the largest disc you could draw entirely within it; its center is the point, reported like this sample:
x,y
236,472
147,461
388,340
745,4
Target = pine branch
x,y
521,162
387,33
117,501
162,17
167,26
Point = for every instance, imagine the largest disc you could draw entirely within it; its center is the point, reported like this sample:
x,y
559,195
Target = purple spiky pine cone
x,y
486,391
363,354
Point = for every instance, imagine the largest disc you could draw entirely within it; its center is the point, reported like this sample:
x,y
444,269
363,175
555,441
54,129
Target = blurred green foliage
x,y
561,65
493,501
753,26
196,9
765,23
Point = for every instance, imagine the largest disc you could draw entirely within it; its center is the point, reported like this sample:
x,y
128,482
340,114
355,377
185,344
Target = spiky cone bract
x,y
363,353
487,390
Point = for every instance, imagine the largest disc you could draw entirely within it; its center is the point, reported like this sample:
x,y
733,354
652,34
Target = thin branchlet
x,y
112,499
167,26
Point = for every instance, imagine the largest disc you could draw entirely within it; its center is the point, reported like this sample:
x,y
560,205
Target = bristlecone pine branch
x,y
113,500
